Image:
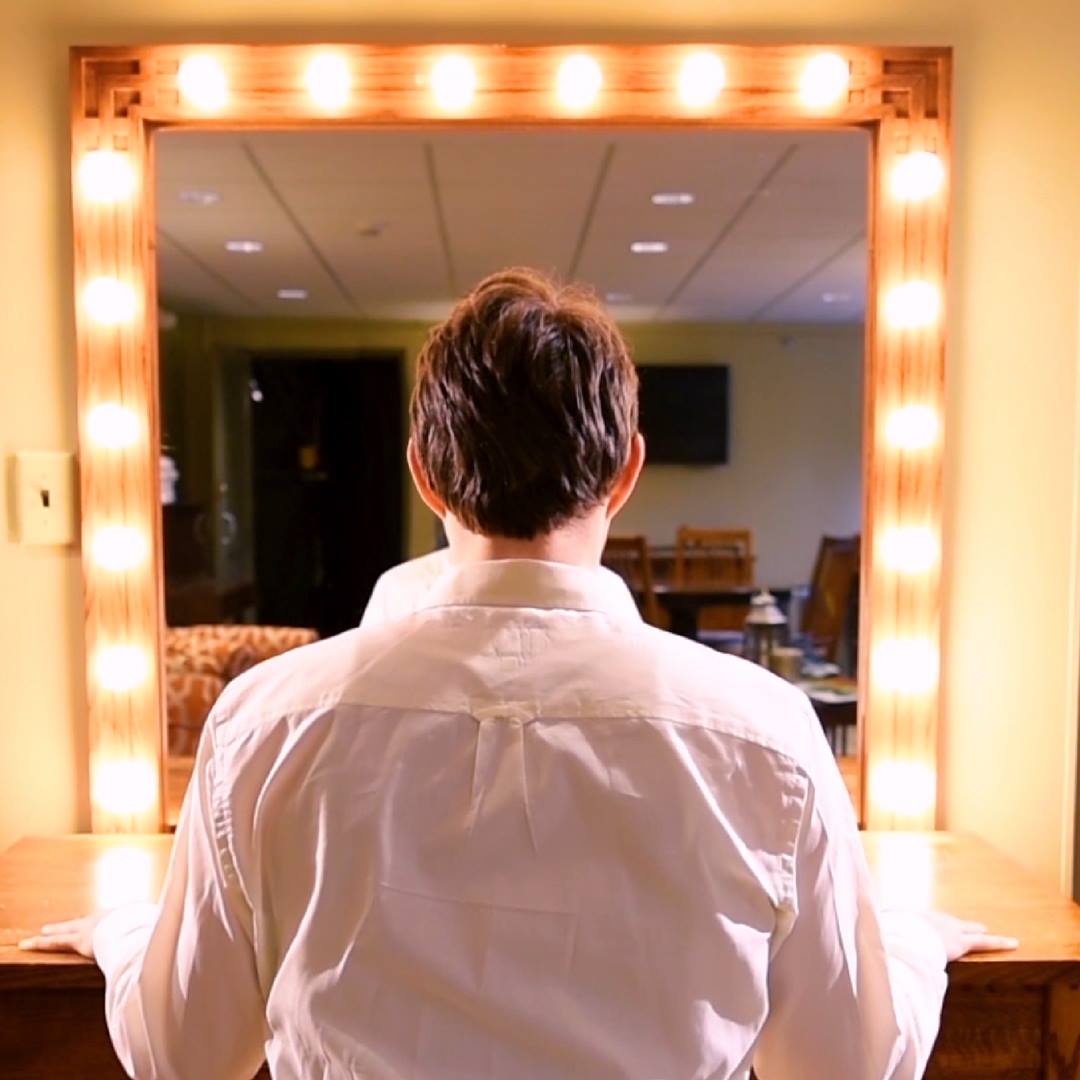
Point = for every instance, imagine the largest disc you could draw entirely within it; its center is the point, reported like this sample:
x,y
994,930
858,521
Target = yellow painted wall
x,y
795,470
1010,667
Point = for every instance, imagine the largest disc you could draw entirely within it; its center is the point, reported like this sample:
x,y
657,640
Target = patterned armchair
x,y
200,660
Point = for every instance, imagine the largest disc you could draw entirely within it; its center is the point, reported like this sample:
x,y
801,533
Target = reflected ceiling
x,y
395,224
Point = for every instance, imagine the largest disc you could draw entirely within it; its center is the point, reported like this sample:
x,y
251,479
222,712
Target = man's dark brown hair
x,y
525,405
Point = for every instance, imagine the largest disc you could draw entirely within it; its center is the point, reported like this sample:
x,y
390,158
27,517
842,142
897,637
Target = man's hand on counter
x,y
75,935
961,937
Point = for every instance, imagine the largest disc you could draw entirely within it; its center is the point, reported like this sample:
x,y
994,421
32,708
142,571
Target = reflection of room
x,y
299,273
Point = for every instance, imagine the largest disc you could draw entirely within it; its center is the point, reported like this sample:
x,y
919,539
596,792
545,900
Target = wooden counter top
x,y
49,879
1007,1014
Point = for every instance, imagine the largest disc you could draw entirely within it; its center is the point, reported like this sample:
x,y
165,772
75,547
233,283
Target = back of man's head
x,y
525,405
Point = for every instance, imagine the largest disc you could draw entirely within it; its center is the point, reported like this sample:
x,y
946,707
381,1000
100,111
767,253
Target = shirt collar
x,y
531,583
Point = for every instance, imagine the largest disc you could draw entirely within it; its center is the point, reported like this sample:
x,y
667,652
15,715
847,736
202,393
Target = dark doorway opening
x,y
327,483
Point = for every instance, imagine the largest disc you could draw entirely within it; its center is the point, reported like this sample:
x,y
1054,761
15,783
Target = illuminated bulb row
x,y
125,786
905,666
121,668
702,77
904,788
912,549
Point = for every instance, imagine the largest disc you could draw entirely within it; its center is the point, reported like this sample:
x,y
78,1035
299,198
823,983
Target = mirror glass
x,y
299,272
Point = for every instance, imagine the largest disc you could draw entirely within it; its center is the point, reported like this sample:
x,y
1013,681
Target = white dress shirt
x,y
518,835
401,589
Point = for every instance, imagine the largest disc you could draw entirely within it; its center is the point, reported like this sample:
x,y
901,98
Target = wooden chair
x,y
628,556
833,593
718,556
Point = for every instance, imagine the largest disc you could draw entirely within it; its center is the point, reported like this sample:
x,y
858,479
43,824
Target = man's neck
x,y
579,544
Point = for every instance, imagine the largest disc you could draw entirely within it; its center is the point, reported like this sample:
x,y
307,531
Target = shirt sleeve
x,y
182,994
853,992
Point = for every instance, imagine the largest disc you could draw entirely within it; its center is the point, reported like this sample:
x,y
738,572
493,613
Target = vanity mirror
x,y
263,234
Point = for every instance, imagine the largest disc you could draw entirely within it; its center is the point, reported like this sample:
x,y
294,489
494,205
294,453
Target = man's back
x,y
519,834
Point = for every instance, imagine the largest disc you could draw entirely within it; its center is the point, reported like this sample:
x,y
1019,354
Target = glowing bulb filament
x,y
917,176
121,668
453,83
825,80
106,176
912,305
119,548
579,82
905,666
912,550
203,83
912,427
701,79
328,81
125,786
112,426
109,301
904,788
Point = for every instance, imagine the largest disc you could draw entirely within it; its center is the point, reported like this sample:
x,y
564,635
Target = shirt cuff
x,y
122,934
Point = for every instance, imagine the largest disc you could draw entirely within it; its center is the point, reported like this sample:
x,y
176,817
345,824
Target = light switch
x,y
45,497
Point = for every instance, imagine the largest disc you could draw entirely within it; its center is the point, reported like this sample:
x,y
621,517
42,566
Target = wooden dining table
x,y
684,601
1007,1016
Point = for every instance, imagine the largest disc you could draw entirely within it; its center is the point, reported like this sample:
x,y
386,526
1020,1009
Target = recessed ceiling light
x,y
835,297
672,198
200,196
649,247
244,247
618,297
292,294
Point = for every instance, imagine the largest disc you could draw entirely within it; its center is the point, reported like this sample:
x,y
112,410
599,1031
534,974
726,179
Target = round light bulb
x,y
824,80
904,788
119,547
328,81
912,305
701,79
106,176
912,427
453,83
905,666
125,786
579,82
121,668
109,301
111,426
203,83
917,176
910,550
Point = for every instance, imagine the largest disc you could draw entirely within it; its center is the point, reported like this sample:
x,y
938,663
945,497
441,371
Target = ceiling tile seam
x,y
298,225
440,218
207,269
810,274
729,227
590,211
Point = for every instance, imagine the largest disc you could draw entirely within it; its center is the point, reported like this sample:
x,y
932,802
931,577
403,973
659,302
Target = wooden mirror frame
x,y
120,95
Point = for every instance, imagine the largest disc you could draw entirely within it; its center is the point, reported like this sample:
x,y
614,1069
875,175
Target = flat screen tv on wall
x,y
684,413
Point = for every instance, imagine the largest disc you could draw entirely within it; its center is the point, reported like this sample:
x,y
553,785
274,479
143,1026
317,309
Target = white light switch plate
x,y
45,497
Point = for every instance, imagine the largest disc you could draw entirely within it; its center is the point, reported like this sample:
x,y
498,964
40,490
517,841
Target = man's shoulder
x,y
313,678
699,686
